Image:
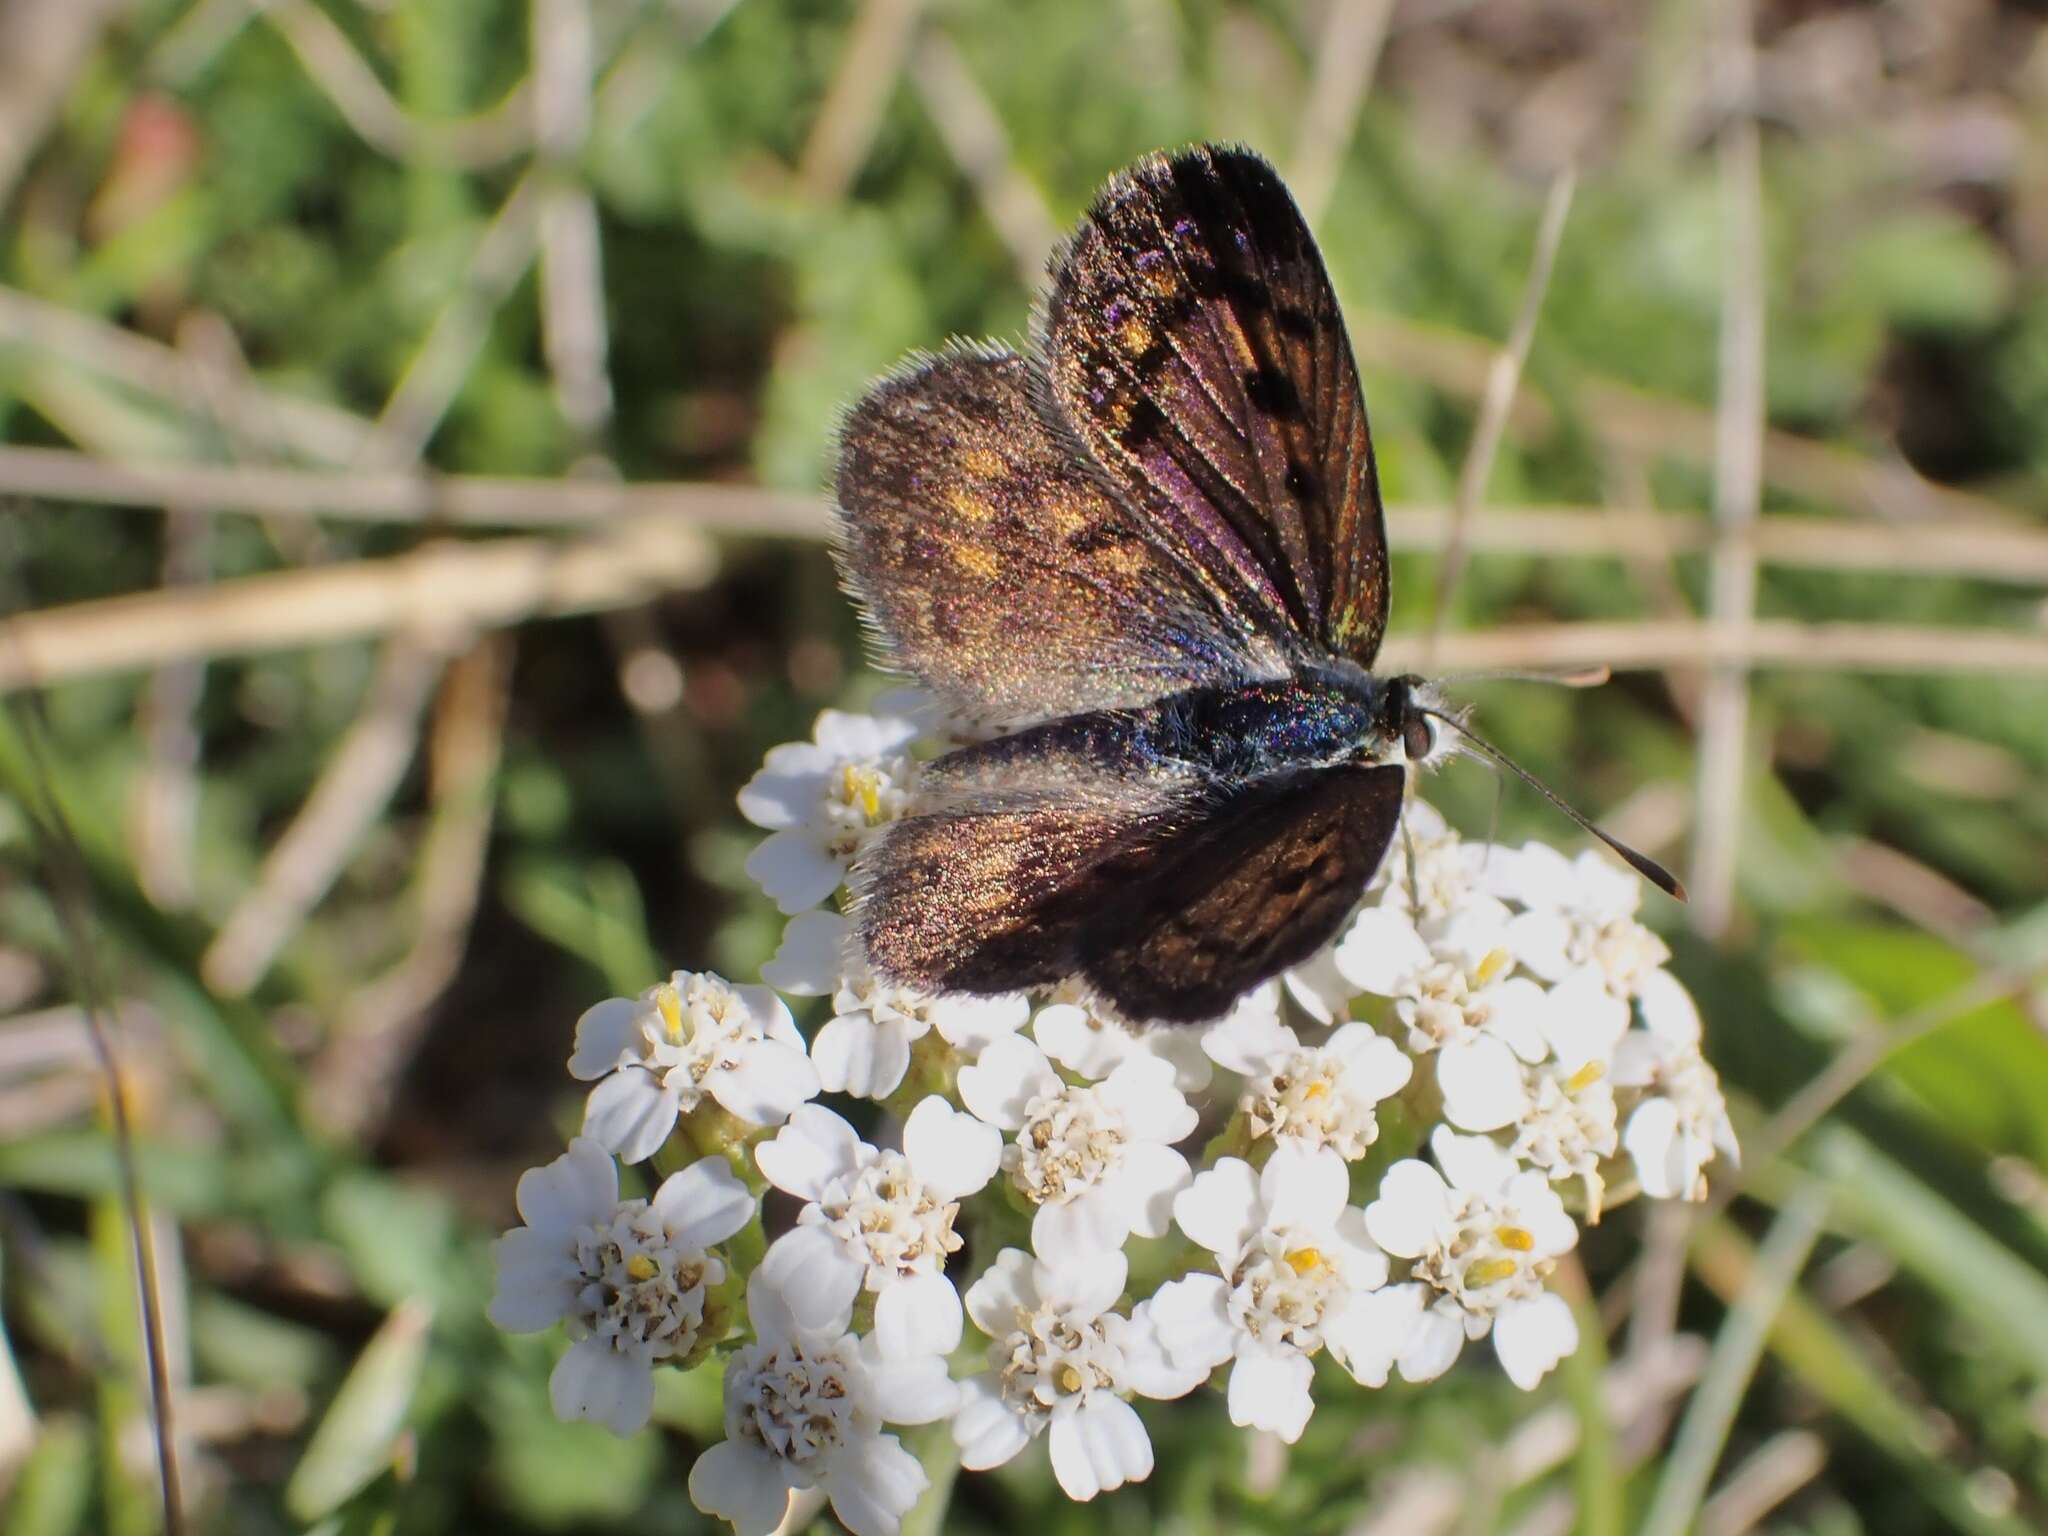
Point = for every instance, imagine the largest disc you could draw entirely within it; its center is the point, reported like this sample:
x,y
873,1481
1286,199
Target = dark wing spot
x,y
1272,392
1302,483
1294,321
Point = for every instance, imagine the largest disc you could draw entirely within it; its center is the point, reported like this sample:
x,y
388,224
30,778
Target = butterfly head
x,y
1413,714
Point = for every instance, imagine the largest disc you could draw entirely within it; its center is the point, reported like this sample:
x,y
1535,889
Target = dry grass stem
x,y
322,433
1766,1478
352,1080
482,141
1347,55
2005,553
976,139
164,807
1502,376
353,790
870,64
1738,482
44,44
1703,1432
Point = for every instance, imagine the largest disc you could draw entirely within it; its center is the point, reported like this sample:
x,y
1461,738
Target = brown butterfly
x,y
1155,554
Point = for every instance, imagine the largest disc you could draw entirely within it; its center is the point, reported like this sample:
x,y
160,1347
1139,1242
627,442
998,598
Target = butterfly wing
x,y
1001,569
1069,850
1195,344
1257,884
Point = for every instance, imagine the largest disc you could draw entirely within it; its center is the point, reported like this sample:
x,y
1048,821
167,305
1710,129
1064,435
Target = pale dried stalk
x,y
974,136
2002,552
1502,377
478,142
869,66
353,789
1767,1477
443,587
352,1081
1347,55
1738,484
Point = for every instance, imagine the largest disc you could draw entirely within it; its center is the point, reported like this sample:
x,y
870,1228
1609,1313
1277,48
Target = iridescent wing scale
x,y
1194,342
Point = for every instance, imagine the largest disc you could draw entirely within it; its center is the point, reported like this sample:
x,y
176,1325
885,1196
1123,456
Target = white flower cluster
x,y
1501,1010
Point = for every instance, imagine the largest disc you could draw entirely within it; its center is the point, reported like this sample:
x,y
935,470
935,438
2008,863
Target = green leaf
x,y
358,1437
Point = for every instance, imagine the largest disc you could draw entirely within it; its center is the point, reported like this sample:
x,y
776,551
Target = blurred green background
x,y
388,770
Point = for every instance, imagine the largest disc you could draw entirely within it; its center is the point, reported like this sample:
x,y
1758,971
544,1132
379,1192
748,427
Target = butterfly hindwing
x,y
1195,344
1001,568
1257,884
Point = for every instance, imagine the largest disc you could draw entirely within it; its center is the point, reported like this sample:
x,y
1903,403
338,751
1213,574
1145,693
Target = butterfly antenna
x,y
1582,677
1641,863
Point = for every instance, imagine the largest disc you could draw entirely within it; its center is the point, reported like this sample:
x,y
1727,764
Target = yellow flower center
x,y
1303,1260
1520,1239
862,787
1486,1271
1069,1378
1585,1077
1496,961
641,1267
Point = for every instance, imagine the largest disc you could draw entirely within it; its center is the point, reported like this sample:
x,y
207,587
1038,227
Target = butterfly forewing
x,y
1001,568
1195,344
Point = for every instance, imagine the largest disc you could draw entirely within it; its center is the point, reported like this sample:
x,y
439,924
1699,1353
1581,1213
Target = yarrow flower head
x,y
804,1408
1061,1360
1097,1161
659,1055
1091,1039
1296,1271
877,1220
1679,1122
1480,1237
1576,913
1320,1096
864,1048
631,1278
822,799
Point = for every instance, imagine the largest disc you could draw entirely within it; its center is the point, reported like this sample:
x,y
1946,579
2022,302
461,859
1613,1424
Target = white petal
x,y
1010,1074
970,1023
873,1483
1532,1336
577,1188
770,1013
1304,1189
740,1482
795,872
1007,1285
1078,1040
911,1388
855,1055
1434,1346
1374,1330
1668,1009
1582,1020
1413,1203
807,962
1358,1258
1146,1182
917,1314
594,1381
813,1147
1141,1090
1220,1209
812,1276
538,1278
1381,951
1086,1284
1374,1067
630,1113
704,1203
1187,1318
1099,1446
1249,1043
1539,940
1180,1049
771,1080
1471,1163
1319,986
1516,1011
953,1153
1269,1390
1097,1220
606,1035
786,789
1482,1084
1532,1197
984,1428
851,737
1654,1142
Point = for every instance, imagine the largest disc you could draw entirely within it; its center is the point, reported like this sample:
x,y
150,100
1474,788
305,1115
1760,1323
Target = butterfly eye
x,y
1418,739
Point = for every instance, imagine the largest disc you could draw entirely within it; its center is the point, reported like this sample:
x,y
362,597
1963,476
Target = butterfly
x,y
1152,554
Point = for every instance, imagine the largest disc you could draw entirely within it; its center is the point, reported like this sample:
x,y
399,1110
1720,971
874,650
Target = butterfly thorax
x,y
1319,717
